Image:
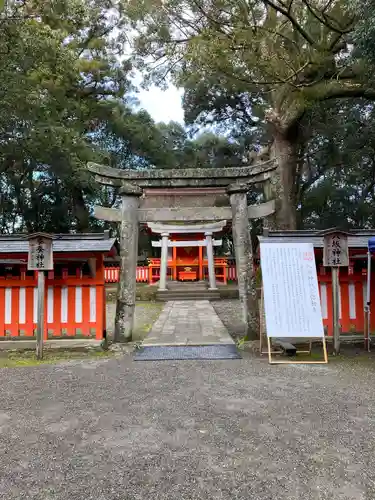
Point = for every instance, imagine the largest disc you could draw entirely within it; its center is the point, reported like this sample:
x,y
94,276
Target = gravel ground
x,y
118,429
229,311
146,313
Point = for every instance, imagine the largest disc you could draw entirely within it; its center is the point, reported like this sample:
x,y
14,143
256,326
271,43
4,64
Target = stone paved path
x,y
188,323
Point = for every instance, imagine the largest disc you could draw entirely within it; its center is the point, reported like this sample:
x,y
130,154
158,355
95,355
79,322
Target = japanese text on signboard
x,y
40,254
290,287
336,250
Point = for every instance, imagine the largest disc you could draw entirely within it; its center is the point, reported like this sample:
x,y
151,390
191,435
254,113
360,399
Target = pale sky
x,y
163,105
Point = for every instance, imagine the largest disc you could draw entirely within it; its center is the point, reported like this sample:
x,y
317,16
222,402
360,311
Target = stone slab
x,y
183,177
207,352
174,197
186,214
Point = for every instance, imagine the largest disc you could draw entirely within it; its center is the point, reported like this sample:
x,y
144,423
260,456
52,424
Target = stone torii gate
x,y
226,188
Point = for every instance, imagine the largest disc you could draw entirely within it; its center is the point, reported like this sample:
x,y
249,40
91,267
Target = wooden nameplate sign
x,y
291,298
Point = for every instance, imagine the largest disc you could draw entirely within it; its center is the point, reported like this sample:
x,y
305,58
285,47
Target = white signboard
x,y
336,252
290,288
40,254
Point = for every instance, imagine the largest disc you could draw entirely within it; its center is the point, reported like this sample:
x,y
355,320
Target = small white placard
x,y
290,288
40,254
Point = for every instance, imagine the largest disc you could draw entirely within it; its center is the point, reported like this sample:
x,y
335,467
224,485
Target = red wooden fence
x,y
352,296
73,307
351,306
112,274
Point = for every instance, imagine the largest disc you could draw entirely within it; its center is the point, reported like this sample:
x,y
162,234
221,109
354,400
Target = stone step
x,y
189,288
188,295
196,285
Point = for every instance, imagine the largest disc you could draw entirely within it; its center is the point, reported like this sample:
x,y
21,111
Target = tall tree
x,y
293,54
338,178
59,75
364,32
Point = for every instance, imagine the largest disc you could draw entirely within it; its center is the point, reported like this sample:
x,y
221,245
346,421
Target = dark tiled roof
x,y
85,242
357,239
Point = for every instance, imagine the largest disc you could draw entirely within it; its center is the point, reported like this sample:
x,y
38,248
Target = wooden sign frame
x,y
271,351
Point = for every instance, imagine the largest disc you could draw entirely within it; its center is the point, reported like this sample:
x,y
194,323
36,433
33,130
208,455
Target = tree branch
x,y
324,20
327,6
293,21
337,91
250,82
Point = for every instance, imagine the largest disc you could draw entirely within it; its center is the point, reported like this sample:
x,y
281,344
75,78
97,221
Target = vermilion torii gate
x,y
218,195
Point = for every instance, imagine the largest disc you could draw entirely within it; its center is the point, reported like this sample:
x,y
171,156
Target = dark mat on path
x,y
164,353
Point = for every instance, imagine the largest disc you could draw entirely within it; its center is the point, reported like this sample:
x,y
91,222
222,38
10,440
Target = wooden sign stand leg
x,y
286,362
40,318
262,331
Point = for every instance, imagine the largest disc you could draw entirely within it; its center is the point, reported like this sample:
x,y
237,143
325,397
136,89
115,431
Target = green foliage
x,y
292,52
261,66
338,182
58,72
66,99
365,29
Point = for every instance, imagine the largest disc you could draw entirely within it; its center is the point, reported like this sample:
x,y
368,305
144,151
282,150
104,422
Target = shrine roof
x,y
357,239
64,243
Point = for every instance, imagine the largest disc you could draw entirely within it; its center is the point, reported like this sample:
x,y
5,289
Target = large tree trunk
x,y
80,211
284,151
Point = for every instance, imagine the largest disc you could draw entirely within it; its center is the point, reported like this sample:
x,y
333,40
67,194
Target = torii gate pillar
x,y
125,307
244,259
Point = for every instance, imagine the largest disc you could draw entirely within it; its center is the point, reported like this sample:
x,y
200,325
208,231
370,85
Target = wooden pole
x,y
336,309
367,305
200,261
174,263
40,318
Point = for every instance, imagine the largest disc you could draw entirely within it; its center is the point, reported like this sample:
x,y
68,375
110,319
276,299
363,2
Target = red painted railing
x,y
232,273
112,274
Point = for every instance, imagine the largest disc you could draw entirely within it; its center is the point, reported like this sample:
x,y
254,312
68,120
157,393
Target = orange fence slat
x,y
56,327
345,321
71,312
359,303
29,311
100,305
14,327
329,307
86,310
2,311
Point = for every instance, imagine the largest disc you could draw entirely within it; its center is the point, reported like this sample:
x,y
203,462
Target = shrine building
x,y
74,289
190,253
